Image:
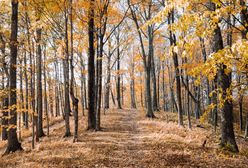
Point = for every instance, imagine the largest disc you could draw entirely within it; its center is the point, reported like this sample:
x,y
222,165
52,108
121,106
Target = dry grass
x,y
128,139
26,134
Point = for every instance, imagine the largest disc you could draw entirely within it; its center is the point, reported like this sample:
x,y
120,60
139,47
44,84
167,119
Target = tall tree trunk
x,y
32,93
165,107
158,84
153,70
107,86
82,83
148,94
57,106
5,115
45,92
91,69
73,98
66,79
50,95
5,97
98,112
39,81
26,93
227,133
176,66
21,103
13,143
146,60
132,85
118,86
188,99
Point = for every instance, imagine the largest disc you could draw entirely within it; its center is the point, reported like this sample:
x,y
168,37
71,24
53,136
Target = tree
x,y
74,99
176,67
91,69
147,59
5,87
39,80
13,143
118,84
66,76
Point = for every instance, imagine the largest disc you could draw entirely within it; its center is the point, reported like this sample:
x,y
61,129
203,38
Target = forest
x,y
123,83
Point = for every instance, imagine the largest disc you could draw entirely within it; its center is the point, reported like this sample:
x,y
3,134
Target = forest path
x,y
127,139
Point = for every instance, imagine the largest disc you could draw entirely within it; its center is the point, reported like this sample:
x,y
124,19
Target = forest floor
x,y
128,139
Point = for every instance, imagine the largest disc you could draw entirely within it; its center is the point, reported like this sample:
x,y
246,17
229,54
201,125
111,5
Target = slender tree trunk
x,y
118,86
13,143
21,104
50,95
82,84
165,108
5,107
132,85
45,92
66,79
98,112
158,84
39,82
176,66
73,98
148,66
107,88
91,69
141,91
57,95
153,72
5,115
32,93
188,99
26,94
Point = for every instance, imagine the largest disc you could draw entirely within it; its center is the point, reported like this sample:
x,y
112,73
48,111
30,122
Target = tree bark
x,y
66,79
91,69
5,98
132,85
176,66
118,85
73,98
45,92
13,143
82,83
227,133
39,81
107,87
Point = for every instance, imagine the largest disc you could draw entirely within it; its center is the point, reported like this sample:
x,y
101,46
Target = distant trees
x,y
147,58
181,56
204,69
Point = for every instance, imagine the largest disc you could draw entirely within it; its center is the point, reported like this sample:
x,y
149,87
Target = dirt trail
x,y
127,139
